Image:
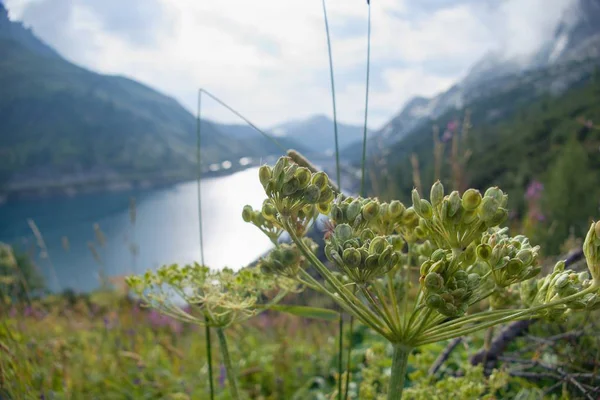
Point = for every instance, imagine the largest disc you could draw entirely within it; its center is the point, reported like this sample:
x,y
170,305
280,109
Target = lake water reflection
x,y
166,229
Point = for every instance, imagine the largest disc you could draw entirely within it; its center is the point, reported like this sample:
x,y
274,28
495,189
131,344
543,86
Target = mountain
x,y
317,133
61,124
565,60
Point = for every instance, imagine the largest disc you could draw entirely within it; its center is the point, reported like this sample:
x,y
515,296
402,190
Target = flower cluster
x,y
561,284
295,192
591,249
365,257
286,259
454,222
511,260
263,220
383,218
447,286
223,297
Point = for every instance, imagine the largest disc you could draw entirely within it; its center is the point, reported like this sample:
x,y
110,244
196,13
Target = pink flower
x,y
534,190
452,125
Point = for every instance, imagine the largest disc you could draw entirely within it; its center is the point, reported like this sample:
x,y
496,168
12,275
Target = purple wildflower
x,y
534,190
222,375
452,126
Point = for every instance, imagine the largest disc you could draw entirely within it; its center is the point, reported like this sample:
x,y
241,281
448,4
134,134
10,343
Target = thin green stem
x,y
364,147
209,357
246,120
199,166
399,367
335,125
519,314
349,353
231,376
340,354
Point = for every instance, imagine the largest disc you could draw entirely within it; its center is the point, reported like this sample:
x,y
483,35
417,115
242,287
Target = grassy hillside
x,y
553,140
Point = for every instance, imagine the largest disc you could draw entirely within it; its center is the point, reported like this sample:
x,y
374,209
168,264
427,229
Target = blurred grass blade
x,y
199,166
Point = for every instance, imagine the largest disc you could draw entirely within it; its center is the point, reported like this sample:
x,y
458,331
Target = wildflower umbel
x,y
454,240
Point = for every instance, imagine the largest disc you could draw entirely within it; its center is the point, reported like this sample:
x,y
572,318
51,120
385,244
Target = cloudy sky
x,y
268,58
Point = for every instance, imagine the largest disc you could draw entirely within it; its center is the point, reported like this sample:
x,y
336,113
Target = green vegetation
x,y
553,140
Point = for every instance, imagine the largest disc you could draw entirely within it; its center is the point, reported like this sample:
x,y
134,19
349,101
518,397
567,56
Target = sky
x,y
268,58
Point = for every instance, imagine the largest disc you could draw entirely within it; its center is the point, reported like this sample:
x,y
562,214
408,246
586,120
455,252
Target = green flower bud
x,y
372,262
409,217
343,232
526,256
496,194
448,310
320,180
591,250
378,244
559,266
324,208
500,216
394,259
370,210
461,275
279,167
326,195
352,257
484,251
396,241
434,301
434,282
269,211
438,255
312,194
437,194
264,174
459,293
420,232
303,175
562,281
366,234
247,213
290,187
487,209
471,199
290,172
514,266
396,209
469,217
416,199
385,257
277,254
289,256
353,210
426,209
454,203
337,214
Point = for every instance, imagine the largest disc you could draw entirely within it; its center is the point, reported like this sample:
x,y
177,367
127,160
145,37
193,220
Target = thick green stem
x,y
340,355
231,377
399,367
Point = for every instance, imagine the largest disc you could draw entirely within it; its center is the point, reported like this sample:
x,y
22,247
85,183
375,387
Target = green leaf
x,y
307,312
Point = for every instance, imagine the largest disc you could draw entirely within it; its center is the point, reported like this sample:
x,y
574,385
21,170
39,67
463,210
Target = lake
x,y
165,230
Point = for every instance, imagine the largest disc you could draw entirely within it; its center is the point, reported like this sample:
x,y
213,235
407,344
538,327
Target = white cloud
x,y
269,60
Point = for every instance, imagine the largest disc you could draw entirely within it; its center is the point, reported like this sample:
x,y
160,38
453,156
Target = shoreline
x,y
106,186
